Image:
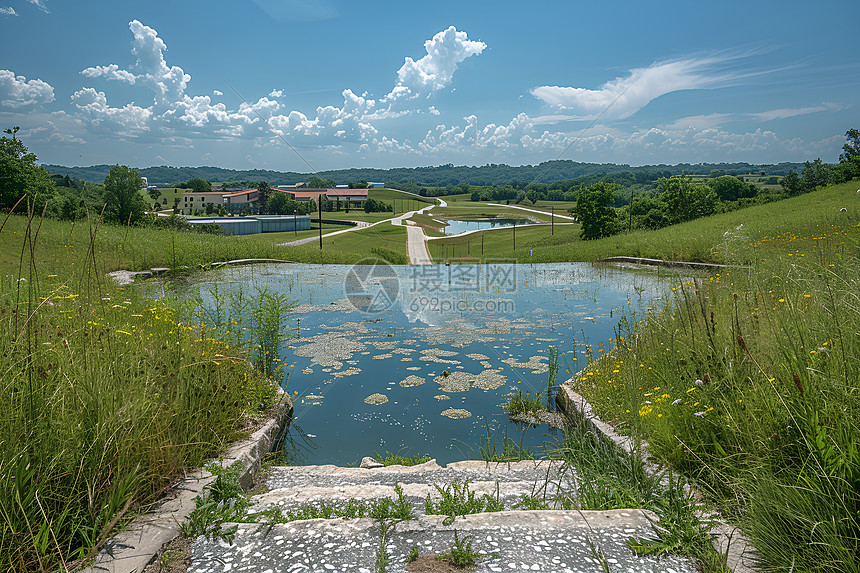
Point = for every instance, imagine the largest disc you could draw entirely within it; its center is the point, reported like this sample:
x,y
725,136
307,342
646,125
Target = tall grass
x,y
108,394
748,381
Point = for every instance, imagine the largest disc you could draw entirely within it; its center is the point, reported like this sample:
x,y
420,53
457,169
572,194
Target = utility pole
x,y
482,245
552,221
319,204
515,235
630,226
295,222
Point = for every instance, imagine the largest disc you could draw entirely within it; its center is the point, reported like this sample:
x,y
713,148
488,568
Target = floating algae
x,y
376,399
455,382
414,368
382,357
342,305
478,357
434,354
456,413
489,380
462,381
441,397
308,370
534,364
329,350
412,381
351,371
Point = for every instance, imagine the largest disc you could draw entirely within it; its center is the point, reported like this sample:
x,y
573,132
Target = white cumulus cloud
x,y
176,112
8,11
434,71
17,92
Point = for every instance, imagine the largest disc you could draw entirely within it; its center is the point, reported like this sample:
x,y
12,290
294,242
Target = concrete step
x,y
549,541
511,540
290,487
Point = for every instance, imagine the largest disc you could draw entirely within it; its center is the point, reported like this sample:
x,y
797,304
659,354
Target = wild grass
x,y
108,393
748,382
524,404
399,459
63,245
456,499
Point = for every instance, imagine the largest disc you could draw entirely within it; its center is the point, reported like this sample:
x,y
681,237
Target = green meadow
x,y
745,381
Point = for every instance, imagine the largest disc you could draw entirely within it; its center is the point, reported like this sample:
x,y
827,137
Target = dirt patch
x,y
175,557
429,564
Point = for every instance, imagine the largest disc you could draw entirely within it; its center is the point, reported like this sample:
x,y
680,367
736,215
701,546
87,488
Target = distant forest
x,y
440,176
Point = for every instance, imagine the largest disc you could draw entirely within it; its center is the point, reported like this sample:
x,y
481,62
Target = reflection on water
x,y
455,226
428,375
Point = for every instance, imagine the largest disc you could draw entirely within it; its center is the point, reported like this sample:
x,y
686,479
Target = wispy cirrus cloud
x,y
8,11
719,119
624,96
40,4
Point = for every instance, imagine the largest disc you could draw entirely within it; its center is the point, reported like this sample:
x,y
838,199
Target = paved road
x,y
306,240
533,211
416,246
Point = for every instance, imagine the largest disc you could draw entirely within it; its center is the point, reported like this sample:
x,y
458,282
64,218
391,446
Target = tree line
x,y
679,198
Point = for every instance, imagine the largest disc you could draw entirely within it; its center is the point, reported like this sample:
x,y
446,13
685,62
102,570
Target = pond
x,y
419,359
456,226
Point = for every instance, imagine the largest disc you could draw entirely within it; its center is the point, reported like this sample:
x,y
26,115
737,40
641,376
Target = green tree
x,y
320,183
19,175
283,204
849,160
122,197
197,185
730,188
815,174
594,210
851,150
264,193
791,183
686,200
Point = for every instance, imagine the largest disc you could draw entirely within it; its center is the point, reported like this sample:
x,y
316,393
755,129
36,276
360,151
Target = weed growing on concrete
x,y
413,554
508,451
458,499
461,555
401,460
383,508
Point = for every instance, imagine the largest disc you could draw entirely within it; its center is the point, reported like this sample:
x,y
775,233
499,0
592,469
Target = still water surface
x,y
455,226
428,374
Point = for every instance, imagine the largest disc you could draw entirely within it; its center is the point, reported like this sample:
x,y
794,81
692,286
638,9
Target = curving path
x,y
532,211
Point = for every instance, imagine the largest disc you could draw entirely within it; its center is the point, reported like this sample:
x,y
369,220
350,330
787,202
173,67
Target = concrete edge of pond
x,y
728,539
125,277
138,545
664,263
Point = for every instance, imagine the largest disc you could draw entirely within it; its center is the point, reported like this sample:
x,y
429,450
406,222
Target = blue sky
x,y
307,85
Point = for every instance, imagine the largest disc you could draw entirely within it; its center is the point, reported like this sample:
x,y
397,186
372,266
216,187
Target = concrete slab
x,y
550,541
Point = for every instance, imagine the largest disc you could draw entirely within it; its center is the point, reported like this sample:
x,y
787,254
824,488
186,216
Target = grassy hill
x,y
735,237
